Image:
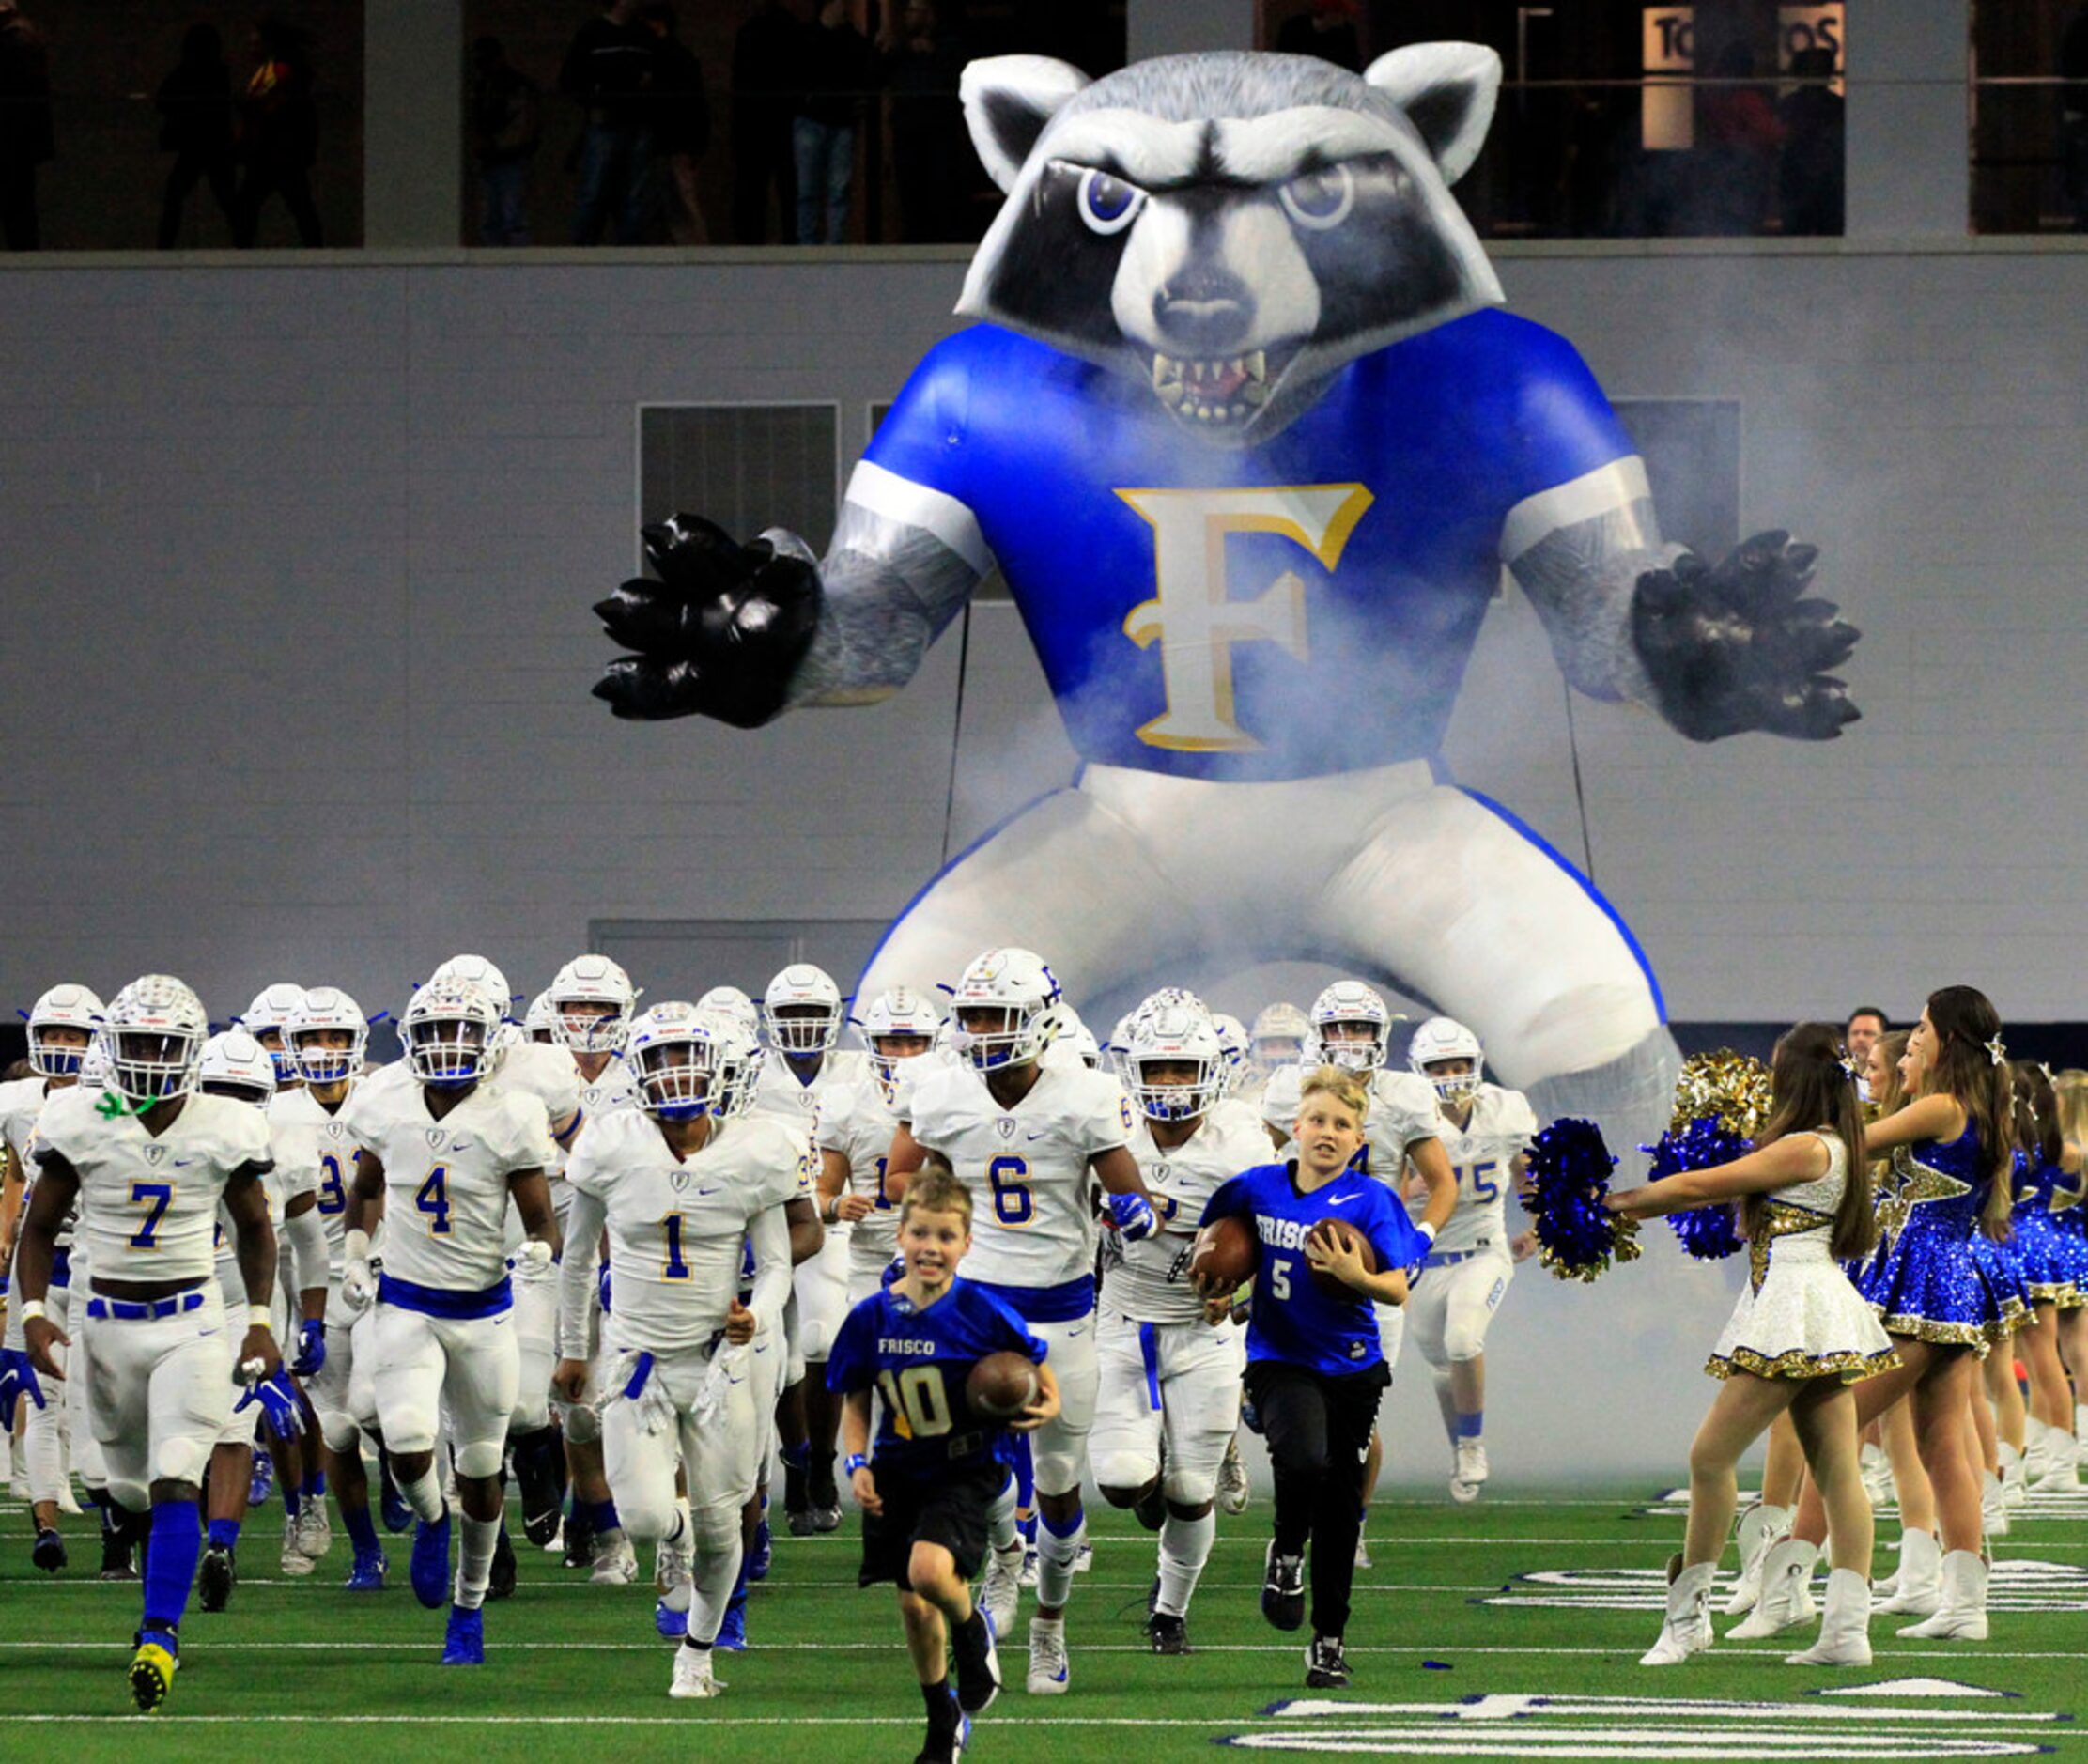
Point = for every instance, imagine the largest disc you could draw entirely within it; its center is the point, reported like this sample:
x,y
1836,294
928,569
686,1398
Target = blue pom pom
x,y
1708,1233
1568,1180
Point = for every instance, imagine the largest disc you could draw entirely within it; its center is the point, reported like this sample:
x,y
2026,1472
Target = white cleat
x,y
1000,1591
1233,1480
613,1563
1470,1474
314,1532
1049,1673
294,1559
1086,1559
1027,1577
692,1677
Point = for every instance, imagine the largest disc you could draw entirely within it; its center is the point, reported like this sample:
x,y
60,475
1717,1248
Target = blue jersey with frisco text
x,y
1303,605
917,1361
1290,1318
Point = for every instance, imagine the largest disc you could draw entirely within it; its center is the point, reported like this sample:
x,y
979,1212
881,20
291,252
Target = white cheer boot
x,y
2014,1481
1845,1630
1962,1615
2062,1464
1687,1628
1760,1529
1993,1505
1786,1599
1920,1588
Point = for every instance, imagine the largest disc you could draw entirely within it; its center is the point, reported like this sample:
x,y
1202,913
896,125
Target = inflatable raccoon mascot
x,y
1244,428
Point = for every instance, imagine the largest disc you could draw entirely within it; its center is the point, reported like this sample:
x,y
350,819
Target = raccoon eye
x,y
1319,200
1108,205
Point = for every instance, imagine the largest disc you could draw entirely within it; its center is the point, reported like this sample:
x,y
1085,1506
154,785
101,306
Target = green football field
x,y
1507,1630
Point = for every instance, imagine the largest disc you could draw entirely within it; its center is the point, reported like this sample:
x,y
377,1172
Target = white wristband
x,y
356,1246
31,1310
260,1316
1426,1230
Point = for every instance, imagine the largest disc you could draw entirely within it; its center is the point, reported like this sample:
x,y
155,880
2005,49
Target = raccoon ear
x,y
1008,100
1448,91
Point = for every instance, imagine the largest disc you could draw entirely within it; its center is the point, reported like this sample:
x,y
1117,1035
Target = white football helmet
x,y
1349,1004
591,982
94,1066
899,1013
326,1008
62,1008
537,1025
1278,1037
478,972
237,1065
152,1035
264,1018
452,1032
691,1062
1118,1047
800,1014
1233,1046
737,1005
1018,986
1171,998
1441,1038
1174,1035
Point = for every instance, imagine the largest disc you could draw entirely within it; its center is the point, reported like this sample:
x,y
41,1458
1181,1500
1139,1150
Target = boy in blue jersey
x,y
938,1464
1315,1370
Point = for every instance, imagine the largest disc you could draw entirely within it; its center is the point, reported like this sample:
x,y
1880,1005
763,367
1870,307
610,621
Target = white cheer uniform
x,y
857,1122
677,1232
158,1373
820,1285
444,1336
1032,1224
1166,1375
1469,1266
1402,1110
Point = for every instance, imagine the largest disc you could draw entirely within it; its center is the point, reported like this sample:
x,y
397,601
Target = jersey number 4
x,y
920,1404
434,1200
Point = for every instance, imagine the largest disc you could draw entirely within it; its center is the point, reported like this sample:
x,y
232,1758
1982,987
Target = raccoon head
x,y
1229,229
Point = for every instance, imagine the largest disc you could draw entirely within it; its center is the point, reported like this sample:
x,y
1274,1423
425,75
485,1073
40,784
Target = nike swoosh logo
x,y
183,1163
701,1192
1033,1138
1340,1201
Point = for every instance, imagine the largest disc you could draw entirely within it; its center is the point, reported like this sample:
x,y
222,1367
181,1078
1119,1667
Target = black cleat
x,y
1168,1634
216,1578
499,1583
540,1474
1326,1666
803,1520
48,1552
977,1664
579,1537
1283,1589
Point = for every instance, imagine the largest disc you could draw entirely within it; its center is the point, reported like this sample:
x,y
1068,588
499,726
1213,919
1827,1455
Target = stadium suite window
x,y
2029,65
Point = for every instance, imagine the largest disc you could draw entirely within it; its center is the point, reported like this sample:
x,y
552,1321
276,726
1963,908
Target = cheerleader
x,y
2046,1256
1798,1339
1942,1292
2070,1215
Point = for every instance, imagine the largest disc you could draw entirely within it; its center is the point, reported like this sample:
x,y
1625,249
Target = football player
x,y
1233,1049
1485,1129
801,1019
61,1025
149,1163
1024,1137
441,1156
682,1183
328,1037
1277,1039
1169,1395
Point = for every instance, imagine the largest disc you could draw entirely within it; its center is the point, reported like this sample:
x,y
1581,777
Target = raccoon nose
x,y
1204,311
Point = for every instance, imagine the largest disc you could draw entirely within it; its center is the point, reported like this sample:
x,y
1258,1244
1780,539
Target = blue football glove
x,y
310,1347
601,1285
895,1271
18,1379
1133,1213
279,1404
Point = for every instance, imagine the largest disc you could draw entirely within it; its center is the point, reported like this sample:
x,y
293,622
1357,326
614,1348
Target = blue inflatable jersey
x,y
1303,606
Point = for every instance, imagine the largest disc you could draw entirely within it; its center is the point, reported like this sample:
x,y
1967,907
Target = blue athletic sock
x,y
170,1563
1026,1475
315,1486
796,1457
1468,1425
739,1583
361,1529
603,1514
225,1534
289,1500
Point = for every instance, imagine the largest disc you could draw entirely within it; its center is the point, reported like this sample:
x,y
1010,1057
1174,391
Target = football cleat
x,y
464,1642
1233,1480
978,1665
1027,1576
152,1670
261,1482
615,1561
1168,1634
216,1578
731,1633
1283,1589
1050,1672
580,1536
692,1674
1363,1551
314,1530
1470,1474
1326,1666
429,1570
1086,1559
499,1579
367,1576
801,1522
827,1518
48,1552
295,1563
396,1511
946,1739
1000,1591
672,1625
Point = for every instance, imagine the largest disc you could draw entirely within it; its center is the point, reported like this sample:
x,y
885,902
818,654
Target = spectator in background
x,y
765,75
1809,176
1327,31
1735,161
278,131
609,72
1865,1025
839,68
506,116
681,123
26,137
2073,113
921,67
194,102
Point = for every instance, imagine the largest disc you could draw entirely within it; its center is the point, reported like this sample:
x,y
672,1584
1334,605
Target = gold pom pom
x,y
1732,1087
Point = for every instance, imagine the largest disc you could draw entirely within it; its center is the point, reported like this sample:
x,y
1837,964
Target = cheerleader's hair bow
x,y
1998,1053
1849,1069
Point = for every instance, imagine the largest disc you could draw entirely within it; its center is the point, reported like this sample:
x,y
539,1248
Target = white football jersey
x,y
22,1100
1149,1281
149,1203
312,1135
677,1231
294,1174
1026,1166
1502,1127
857,1120
1402,1110
446,1181
547,1073
781,1096
615,1088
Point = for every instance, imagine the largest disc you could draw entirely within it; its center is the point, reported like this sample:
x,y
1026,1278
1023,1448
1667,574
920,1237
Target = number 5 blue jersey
x,y
917,1361
1302,606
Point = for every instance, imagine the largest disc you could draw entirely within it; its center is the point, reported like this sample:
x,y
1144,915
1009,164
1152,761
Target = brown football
x,y
1225,1257
1326,1231
1002,1385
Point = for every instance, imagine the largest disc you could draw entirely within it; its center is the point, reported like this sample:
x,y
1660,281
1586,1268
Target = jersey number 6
x,y
1012,1203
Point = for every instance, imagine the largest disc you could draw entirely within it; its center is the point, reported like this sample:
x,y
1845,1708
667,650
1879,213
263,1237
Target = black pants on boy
x,y
1318,1431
